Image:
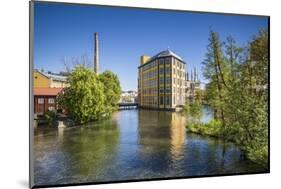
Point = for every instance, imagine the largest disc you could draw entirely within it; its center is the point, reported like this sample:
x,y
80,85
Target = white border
x,y
14,79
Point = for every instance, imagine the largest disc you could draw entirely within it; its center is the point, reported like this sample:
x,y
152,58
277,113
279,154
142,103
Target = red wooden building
x,y
45,99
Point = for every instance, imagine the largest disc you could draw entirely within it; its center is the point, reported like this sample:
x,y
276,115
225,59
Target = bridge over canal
x,y
127,105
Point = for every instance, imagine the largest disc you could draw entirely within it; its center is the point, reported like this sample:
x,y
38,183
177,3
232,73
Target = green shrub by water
x,y
50,117
256,153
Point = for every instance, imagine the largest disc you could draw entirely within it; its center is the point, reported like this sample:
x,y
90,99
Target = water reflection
x,y
78,153
60,133
178,136
132,144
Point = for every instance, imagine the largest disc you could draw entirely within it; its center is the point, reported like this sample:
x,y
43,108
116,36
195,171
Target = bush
x,y
258,154
50,117
213,128
195,109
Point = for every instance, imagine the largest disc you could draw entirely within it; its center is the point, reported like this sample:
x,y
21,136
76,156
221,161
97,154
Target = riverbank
x,y
214,129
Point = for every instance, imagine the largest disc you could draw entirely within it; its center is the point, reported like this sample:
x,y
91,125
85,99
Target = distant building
x,y
49,79
192,84
45,99
129,96
46,88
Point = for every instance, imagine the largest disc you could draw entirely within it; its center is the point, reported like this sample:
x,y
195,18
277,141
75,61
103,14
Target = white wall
x,y
14,93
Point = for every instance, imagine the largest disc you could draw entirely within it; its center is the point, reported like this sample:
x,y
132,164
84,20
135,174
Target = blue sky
x,y
64,30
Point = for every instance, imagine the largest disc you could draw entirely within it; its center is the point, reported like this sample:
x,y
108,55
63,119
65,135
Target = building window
x,y
161,71
51,108
168,70
168,80
51,100
167,61
40,100
161,80
167,100
161,100
161,61
155,100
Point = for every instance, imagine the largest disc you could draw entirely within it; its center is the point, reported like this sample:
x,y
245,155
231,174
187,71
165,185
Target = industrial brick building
x,y
163,82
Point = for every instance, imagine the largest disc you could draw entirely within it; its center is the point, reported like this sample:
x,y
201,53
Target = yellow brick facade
x,y
40,81
161,82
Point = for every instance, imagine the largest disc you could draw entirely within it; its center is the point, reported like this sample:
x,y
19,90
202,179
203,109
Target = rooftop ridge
x,y
166,53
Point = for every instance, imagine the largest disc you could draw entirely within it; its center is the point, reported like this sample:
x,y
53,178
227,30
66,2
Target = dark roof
x,y
165,53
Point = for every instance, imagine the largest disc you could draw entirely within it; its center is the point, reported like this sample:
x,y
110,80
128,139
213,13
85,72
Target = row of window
x,y
167,61
166,99
150,83
166,70
153,73
150,74
179,82
178,64
178,90
154,100
50,100
162,90
153,82
179,73
162,80
162,70
151,100
167,80
161,61
147,91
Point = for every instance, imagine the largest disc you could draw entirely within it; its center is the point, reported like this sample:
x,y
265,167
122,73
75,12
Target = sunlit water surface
x,y
132,144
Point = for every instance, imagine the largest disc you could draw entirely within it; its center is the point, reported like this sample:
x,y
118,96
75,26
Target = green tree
x,y
250,100
112,90
195,110
238,92
216,70
84,99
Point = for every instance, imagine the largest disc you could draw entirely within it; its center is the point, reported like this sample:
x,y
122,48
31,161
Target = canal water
x,y
132,144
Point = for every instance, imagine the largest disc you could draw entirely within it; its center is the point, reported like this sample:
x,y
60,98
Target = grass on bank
x,y
257,153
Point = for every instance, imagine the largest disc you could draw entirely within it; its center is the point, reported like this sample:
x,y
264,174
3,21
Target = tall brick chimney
x,y
96,54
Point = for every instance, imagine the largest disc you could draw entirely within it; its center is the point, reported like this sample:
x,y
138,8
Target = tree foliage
x,y
237,91
89,96
112,90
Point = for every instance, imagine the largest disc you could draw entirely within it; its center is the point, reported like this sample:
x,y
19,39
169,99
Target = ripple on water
x,y
133,144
